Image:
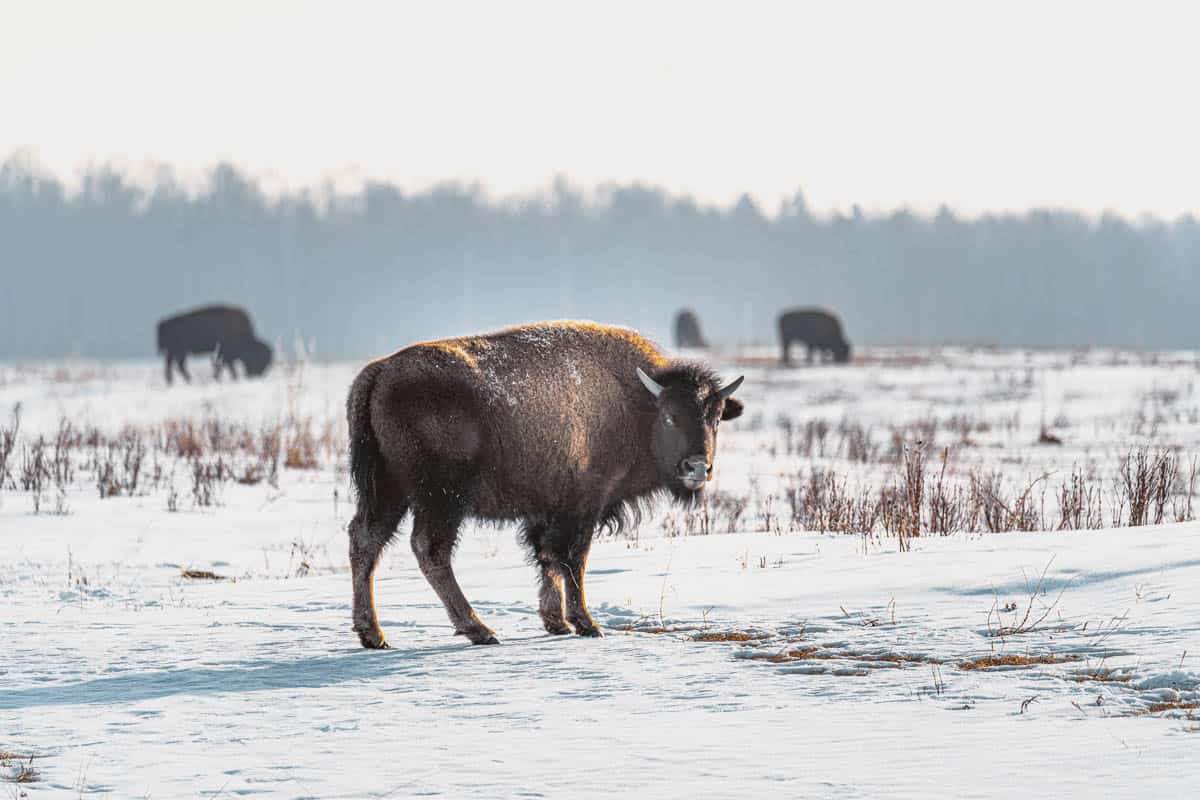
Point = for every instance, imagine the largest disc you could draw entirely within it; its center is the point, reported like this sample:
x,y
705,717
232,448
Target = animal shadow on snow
x,y
253,676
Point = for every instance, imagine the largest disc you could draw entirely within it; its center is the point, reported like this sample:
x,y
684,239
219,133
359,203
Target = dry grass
x,y
817,654
988,662
1100,676
736,636
202,575
1174,705
8,444
656,631
144,460
22,768
801,654
1147,481
301,449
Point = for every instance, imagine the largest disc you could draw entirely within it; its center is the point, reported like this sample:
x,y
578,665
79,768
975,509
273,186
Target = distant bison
x,y
563,427
816,328
687,330
224,331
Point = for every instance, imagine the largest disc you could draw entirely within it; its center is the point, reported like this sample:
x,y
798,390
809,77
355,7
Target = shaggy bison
x,y
816,328
563,427
224,331
687,330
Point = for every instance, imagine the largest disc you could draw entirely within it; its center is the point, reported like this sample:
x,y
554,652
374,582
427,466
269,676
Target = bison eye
x,y
668,420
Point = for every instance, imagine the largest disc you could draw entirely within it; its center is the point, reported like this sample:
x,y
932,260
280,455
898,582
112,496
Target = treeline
x,y
89,271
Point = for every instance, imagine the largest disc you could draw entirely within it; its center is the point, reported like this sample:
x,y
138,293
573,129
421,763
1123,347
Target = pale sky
x,y
982,106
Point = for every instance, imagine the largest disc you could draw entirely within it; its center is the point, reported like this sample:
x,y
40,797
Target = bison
x,y
562,427
820,330
687,330
224,331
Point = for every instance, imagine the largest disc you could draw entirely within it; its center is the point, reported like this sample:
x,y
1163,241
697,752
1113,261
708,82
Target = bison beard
x,y
563,427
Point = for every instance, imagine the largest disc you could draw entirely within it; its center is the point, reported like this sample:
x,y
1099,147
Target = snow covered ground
x,y
767,661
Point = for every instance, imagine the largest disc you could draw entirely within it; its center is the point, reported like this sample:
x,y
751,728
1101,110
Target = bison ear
x,y
733,409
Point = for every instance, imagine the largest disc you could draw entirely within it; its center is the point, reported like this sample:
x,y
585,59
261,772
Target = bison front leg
x,y
433,539
367,540
550,598
574,567
550,590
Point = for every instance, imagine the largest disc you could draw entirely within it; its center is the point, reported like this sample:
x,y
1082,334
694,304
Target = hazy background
x,y
366,174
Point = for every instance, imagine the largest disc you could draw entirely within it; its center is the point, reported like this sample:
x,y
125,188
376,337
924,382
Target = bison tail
x,y
159,338
364,447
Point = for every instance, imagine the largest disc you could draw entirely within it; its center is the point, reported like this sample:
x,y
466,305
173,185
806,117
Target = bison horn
x,y
731,388
654,387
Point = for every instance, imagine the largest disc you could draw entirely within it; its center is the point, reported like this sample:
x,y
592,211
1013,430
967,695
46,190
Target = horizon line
x,y
350,181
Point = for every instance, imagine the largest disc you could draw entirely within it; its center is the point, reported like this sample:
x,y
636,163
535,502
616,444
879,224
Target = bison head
x,y
257,357
690,404
841,352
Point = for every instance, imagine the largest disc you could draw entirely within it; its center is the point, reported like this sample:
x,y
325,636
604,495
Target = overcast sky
x,y
982,106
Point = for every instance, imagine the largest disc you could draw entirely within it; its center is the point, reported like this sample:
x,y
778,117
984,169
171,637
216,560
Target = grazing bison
x,y
563,427
224,331
816,328
687,330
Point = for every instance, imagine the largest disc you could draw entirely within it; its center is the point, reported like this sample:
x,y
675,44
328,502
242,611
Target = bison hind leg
x,y
368,537
434,535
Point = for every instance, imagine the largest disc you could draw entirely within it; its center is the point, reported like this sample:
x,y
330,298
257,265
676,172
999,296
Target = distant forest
x,y
88,271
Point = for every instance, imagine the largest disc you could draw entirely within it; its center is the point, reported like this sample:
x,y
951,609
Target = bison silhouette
x,y
563,427
687,330
224,331
820,330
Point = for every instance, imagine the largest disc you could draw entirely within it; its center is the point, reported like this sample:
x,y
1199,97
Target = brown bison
x,y
820,330
564,427
687,330
224,331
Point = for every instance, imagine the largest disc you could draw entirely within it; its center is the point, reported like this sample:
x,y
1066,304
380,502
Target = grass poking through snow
x,y
989,662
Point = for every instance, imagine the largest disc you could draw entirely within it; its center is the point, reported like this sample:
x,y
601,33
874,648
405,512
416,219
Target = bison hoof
x,y
479,636
587,628
556,627
373,640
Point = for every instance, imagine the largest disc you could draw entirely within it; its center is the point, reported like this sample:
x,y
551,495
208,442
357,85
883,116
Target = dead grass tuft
x,y
988,662
802,654
735,636
657,631
1174,705
1101,676
817,654
22,768
203,575
301,448
1146,480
